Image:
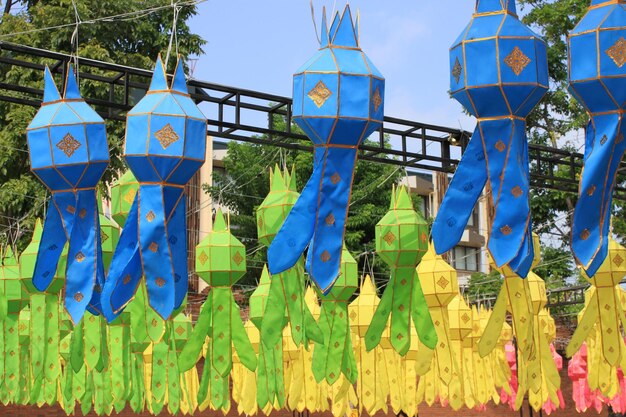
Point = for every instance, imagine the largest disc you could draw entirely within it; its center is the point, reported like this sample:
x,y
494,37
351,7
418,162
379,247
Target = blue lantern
x,y
499,73
165,146
338,101
597,76
69,153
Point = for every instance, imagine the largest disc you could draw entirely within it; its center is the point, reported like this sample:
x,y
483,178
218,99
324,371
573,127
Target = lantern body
x,y
338,102
402,234
272,213
363,307
16,295
67,139
597,78
220,256
348,280
258,300
499,73
439,280
460,316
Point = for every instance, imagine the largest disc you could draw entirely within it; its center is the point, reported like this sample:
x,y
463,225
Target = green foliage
x,y
483,286
246,183
134,42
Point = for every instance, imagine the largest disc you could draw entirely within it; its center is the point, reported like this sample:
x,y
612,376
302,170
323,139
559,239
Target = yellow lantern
x,y
372,387
440,285
605,307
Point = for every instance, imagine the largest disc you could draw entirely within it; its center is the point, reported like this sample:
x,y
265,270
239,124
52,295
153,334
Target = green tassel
x,y
191,351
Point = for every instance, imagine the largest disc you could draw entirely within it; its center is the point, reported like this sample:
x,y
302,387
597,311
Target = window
x,y
465,258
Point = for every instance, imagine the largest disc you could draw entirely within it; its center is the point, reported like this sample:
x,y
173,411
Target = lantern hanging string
x,y
74,42
173,35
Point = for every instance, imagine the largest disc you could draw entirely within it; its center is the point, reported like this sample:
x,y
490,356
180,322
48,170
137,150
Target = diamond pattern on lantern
x,y
517,191
377,99
150,216
180,330
203,258
129,197
237,259
618,261
500,146
335,178
617,52
79,257
166,136
443,282
389,238
584,235
465,317
68,145
153,247
103,236
319,94
160,282
457,70
325,257
506,230
517,60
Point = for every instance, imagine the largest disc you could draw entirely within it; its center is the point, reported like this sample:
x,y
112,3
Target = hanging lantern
x,y
221,262
123,192
338,102
499,73
440,285
165,146
401,241
372,386
604,307
69,153
286,291
335,357
597,79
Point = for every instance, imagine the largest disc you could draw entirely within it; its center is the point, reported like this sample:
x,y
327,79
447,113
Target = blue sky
x,y
259,44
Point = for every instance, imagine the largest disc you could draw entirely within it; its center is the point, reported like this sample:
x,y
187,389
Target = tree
x,y
246,183
133,40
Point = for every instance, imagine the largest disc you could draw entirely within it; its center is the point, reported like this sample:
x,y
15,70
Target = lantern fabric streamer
x,y
269,373
597,77
335,357
499,73
165,146
69,153
338,102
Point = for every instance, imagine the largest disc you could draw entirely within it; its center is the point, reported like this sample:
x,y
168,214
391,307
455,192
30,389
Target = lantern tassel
x,y
604,149
497,152
328,195
156,215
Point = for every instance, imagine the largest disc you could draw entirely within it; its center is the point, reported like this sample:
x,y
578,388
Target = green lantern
x,y
286,292
335,356
221,262
123,193
402,241
269,373
16,296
